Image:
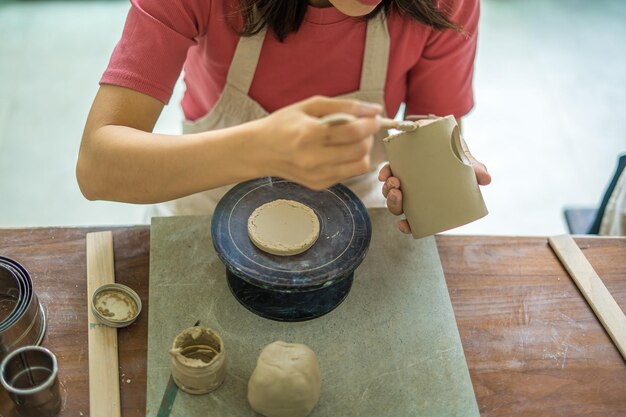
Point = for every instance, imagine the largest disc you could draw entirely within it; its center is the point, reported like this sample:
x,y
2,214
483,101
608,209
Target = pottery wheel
x,y
297,287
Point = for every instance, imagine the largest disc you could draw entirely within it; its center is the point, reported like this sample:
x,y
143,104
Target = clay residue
x,y
197,356
196,347
417,123
115,305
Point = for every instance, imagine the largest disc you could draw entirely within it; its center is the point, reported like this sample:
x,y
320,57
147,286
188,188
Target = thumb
x,y
321,106
482,175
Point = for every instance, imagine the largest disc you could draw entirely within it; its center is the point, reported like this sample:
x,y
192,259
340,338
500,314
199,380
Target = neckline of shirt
x,y
324,15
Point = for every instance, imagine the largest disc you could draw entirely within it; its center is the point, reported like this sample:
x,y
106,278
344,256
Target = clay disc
x,y
283,227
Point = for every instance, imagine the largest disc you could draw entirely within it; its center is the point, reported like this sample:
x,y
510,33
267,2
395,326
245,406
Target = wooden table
x,y
533,345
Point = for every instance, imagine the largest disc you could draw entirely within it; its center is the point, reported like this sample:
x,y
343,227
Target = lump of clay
x,y
286,381
283,227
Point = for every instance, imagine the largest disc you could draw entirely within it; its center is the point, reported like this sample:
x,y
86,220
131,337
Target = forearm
x,y
120,160
120,163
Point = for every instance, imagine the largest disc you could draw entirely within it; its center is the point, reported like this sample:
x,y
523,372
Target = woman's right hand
x,y
297,147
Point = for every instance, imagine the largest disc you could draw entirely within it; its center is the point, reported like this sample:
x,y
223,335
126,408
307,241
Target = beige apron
x,y
614,219
235,107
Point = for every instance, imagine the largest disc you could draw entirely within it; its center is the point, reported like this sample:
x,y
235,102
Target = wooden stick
x,y
592,288
104,381
337,119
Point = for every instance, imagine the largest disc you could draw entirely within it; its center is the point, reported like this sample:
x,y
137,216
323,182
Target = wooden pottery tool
x,y
104,381
593,289
386,123
298,287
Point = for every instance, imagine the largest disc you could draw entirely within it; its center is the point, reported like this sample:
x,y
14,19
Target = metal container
x,y
30,376
22,319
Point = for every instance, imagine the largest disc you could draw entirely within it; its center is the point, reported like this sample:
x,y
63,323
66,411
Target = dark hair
x,y
286,16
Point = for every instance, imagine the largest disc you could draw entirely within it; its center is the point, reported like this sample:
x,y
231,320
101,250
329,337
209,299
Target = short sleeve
x,y
441,81
152,50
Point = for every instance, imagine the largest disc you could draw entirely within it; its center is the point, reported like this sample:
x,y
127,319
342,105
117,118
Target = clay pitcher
x,y
439,187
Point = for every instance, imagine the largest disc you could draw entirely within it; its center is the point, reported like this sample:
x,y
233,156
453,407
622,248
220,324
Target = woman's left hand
x,y
393,193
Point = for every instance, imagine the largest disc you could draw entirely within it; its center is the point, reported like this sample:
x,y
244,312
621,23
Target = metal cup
x,y
30,376
22,319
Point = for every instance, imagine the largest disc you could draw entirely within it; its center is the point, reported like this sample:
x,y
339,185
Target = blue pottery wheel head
x,y
345,232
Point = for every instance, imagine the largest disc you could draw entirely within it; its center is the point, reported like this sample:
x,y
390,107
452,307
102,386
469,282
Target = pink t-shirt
x,y
431,71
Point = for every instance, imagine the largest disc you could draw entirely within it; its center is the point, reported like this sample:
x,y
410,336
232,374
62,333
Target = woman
x,y
256,72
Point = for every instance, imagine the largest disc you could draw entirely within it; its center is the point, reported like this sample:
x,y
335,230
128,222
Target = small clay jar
x,y
198,360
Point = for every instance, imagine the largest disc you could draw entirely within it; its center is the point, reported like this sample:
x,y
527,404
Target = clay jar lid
x,y
115,305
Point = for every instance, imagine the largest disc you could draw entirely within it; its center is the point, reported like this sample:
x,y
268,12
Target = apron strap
x,y
373,71
376,55
243,66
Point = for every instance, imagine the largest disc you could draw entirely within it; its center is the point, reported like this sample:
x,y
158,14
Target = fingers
x,y
404,227
416,117
391,190
352,169
352,132
342,154
394,201
385,172
482,175
320,106
390,183
330,176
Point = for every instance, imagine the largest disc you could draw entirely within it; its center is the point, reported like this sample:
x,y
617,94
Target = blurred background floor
x,y
550,91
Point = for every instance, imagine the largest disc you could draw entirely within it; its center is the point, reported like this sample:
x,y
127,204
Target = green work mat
x,y
391,348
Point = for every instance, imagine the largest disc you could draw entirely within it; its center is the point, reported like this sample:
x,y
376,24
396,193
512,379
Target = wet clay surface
x,y
196,347
202,353
283,227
